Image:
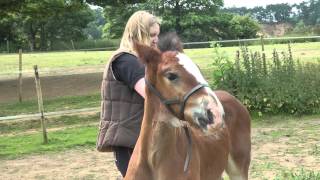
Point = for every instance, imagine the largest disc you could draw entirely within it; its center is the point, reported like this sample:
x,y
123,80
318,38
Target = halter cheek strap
x,y
164,101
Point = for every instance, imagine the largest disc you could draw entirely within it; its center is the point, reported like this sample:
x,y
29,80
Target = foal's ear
x,y
147,54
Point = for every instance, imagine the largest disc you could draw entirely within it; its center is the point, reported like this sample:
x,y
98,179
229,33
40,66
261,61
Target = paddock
x,y
280,144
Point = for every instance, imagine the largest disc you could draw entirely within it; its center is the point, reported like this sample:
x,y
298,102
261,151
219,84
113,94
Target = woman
x,y
123,90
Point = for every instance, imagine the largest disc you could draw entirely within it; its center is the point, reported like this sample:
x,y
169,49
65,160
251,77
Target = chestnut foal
x,y
188,131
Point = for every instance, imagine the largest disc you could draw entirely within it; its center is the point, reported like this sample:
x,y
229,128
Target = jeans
x,y
122,156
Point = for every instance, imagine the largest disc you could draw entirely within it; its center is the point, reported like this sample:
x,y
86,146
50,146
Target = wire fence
x,y
52,114
288,39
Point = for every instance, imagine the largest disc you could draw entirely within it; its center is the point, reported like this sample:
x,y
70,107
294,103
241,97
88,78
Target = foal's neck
x,y
159,135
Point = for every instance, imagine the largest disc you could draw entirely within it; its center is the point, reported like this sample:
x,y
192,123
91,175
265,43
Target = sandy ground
x,y
73,164
52,86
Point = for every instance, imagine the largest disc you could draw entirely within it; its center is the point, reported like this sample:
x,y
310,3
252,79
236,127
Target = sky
x,y
253,3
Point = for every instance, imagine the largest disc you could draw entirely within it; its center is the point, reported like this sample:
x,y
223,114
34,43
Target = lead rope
x,y
189,152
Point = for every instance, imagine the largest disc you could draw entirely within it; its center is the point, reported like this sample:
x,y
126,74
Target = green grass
x,y
307,52
16,127
22,138
9,62
56,104
20,145
298,175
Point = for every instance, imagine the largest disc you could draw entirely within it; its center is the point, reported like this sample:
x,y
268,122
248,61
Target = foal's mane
x,y
170,42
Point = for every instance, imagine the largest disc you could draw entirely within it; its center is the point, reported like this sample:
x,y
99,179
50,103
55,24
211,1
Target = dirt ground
x,y
269,155
52,86
70,165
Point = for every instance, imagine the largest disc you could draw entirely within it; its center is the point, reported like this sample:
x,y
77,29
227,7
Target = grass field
x,y
307,52
283,147
56,104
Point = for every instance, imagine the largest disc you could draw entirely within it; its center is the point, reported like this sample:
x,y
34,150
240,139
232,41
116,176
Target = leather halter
x,y
168,103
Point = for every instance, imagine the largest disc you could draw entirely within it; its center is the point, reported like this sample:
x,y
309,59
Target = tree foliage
x,y
279,12
116,3
95,28
306,11
41,23
193,20
243,27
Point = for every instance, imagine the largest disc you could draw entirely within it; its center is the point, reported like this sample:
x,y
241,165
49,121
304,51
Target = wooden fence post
x,y
8,46
20,75
262,43
72,44
40,104
263,55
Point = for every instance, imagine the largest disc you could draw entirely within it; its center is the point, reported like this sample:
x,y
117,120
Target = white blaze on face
x,y
193,69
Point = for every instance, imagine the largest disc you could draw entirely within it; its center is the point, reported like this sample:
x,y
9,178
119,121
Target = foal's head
x,y
177,81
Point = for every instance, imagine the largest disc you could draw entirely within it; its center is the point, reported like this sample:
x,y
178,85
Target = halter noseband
x,y
169,102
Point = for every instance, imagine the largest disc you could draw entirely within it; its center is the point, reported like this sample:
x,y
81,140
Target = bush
x,y
86,44
243,27
282,86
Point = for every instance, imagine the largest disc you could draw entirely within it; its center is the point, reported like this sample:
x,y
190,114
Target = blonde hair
x,y
138,29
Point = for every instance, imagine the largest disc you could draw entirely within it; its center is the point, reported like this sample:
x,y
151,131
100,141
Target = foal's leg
x,y
234,171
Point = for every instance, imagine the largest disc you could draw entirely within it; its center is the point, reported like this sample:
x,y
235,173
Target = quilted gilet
x,y
121,111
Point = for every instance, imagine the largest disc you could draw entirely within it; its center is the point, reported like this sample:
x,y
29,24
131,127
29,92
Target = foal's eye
x,y
172,76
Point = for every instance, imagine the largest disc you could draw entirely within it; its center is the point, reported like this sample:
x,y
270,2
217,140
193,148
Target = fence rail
x,y
50,114
254,39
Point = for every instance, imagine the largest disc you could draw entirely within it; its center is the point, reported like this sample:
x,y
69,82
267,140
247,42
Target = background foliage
x,y
283,85
37,25
46,25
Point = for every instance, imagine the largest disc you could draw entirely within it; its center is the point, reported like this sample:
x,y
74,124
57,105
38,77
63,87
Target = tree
x,y
191,19
314,17
279,12
10,6
95,28
52,20
303,12
243,27
116,19
182,15
40,23
259,13
237,10
221,26
117,3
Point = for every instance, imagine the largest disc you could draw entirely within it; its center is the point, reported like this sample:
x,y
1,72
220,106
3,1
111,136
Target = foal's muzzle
x,y
204,119
209,112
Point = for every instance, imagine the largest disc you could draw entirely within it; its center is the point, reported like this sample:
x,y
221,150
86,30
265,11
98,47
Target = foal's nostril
x,y
210,117
204,118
